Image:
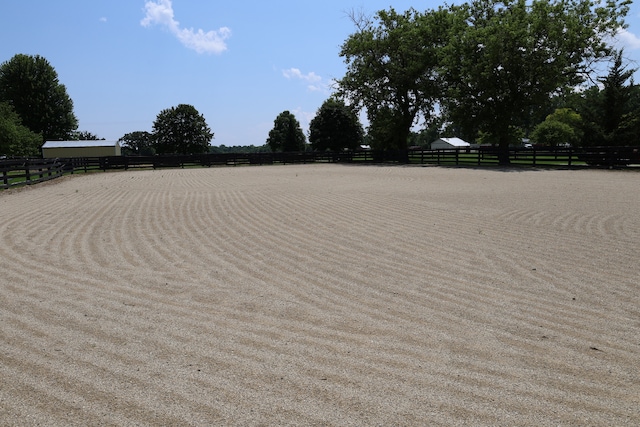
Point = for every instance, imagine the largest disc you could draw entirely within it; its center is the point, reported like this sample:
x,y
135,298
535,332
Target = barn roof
x,y
455,142
79,144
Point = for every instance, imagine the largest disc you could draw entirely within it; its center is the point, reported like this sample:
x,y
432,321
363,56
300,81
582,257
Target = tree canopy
x,y
30,85
286,134
83,135
139,143
554,132
618,114
489,67
16,139
181,130
391,71
335,127
506,58
610,110
240,149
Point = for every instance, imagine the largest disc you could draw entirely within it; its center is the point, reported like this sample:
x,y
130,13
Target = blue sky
x,y
238,63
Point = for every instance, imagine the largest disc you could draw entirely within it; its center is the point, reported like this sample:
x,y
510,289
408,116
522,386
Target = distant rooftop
x,y
456,142
79,144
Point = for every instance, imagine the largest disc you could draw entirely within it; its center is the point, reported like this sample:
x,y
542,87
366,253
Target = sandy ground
x,y
322,295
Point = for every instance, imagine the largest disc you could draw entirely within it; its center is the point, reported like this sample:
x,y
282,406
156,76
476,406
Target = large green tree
x,y
563,126
16,139
506,58
392,63
588,105
553,133
616,98
181,130
629,128
138,143
335,127
618,107
30,85
286,134
611,109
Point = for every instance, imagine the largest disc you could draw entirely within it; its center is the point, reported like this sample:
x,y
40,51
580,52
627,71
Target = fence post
x,y
534,156
27,172
59,168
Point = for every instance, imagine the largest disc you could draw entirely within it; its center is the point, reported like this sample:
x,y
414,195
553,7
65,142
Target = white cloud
x,y
103,19
160,12
315,82
628,39
292,73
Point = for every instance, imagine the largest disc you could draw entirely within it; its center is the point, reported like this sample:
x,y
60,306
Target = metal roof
x,y
79,144
455,142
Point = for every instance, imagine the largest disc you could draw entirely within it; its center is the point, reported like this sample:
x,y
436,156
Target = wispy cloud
x,y
628,39
315,82
160,12
103,19
292,73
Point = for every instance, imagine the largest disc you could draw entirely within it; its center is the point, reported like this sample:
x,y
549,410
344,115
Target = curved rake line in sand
x,y
393,317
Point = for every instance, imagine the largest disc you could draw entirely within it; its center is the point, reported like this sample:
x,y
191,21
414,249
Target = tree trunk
x,y
503,150
402,136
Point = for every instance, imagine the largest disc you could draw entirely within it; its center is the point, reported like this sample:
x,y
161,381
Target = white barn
x,y
449,143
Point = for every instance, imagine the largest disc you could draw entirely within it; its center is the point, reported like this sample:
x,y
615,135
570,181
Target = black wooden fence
x,y
543,157
30,171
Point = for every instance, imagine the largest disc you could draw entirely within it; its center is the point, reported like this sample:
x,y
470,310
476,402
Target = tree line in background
x,y
488,71
492,72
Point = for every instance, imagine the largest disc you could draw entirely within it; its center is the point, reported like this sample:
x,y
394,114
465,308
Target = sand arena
x,y
322,295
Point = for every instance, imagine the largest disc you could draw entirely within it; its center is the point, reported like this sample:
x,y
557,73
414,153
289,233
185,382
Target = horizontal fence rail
x,y
219,159
29,171
543,157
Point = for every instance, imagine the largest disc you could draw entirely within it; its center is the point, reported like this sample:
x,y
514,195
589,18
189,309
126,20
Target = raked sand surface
x,y
322,295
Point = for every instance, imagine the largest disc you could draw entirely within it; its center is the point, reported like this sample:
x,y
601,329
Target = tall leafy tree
x,y
392,63
629,127
507,57
16,139
181,130
616,96
553,133
286,134
335,127
139,143
385,129
563,126
611,110
31,86
588,105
